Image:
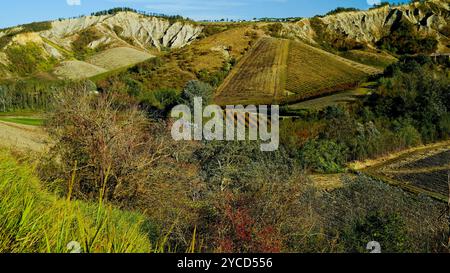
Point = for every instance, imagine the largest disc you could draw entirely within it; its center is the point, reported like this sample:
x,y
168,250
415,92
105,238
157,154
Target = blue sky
x,y
25,11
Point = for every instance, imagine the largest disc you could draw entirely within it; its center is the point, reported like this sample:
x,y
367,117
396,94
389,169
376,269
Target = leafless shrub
x,y
108,148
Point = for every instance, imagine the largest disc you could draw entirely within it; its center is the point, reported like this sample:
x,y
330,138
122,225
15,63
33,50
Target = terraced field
x,y
259,77
283,71
424,171
313,72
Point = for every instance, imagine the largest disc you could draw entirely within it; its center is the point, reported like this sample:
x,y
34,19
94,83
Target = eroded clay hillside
x,y
125,27
429,18
74,43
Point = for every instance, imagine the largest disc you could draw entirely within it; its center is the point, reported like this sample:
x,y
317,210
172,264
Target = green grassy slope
x,y
33,220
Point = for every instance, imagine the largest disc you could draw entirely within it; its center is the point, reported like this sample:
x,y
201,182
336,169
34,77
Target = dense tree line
x,y
341,9
114,11
33,94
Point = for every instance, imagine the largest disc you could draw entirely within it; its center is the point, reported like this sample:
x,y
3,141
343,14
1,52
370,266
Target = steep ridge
x,y
370,26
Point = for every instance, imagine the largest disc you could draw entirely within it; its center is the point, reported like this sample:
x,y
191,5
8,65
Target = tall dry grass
x,y
33,220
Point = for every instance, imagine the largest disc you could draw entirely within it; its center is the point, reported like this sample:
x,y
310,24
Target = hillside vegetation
x,y
121,36
233,196
28,59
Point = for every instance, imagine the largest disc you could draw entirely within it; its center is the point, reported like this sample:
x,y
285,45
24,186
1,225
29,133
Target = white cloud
x,y
373,2
73,2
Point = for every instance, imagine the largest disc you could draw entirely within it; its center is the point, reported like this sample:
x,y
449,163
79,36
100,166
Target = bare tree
x,y
111,144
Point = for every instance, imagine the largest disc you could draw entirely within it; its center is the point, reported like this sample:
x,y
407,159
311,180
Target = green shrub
x,y
33,93
212,29
215,78
409,136
166,98
275,29
446,30
160,102
324,156
118,30
36,27
416,90
5,40
444,126
196,89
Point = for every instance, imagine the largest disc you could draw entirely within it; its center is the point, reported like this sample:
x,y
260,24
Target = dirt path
x,y
22,137
435,147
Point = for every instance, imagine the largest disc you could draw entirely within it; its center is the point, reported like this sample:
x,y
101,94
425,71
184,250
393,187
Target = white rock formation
x,y
145,31
370,26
